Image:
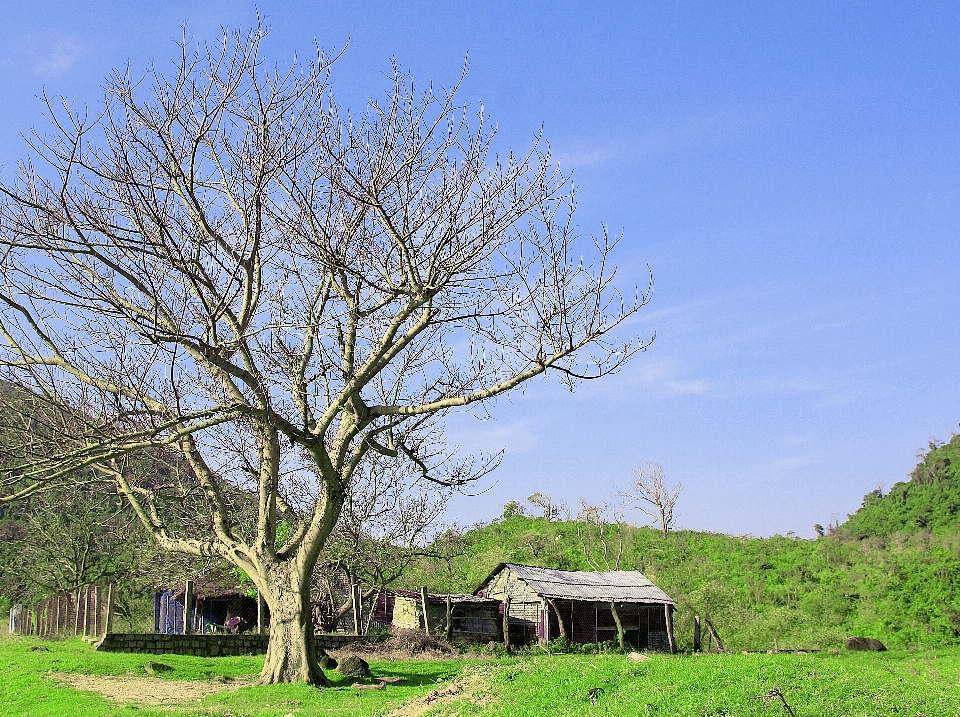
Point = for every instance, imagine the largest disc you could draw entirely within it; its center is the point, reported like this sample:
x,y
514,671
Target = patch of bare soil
x,y
470,686
147,690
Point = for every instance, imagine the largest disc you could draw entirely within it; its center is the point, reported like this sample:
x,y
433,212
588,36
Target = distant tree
x,y
650,494
513,509
551,509
223,262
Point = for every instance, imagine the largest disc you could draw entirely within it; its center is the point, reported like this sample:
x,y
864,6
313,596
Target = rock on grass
x,y
155,668
353,666
865,644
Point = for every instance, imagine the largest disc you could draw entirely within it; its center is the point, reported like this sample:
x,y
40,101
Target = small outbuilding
x,y
473,618
543,604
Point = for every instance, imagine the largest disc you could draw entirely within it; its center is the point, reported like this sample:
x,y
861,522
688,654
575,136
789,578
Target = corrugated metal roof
x,y
455,598
616,585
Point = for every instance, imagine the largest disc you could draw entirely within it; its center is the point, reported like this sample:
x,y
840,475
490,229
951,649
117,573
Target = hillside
x,y
891,571
929,500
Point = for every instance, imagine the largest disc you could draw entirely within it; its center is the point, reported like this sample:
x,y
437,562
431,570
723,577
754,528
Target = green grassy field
x,y
920,682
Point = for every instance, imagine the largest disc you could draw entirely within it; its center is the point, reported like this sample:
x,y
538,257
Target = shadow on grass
x,y
411,678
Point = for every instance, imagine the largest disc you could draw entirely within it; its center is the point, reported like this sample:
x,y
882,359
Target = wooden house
x,y
587,604
473,618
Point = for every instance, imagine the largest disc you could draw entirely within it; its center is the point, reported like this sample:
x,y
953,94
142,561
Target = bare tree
x,y
651,494
223,262
598,526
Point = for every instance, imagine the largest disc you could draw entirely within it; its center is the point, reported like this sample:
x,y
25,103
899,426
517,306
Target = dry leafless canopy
x,y
651,494
226,262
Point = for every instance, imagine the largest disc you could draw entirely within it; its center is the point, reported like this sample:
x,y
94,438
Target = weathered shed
x,y
587,605
473,618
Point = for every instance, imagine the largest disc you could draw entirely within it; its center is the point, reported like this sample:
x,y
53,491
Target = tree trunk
x,y
292,653
616,619
556,611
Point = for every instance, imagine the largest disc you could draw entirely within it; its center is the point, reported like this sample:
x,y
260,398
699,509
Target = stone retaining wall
x,y
210,645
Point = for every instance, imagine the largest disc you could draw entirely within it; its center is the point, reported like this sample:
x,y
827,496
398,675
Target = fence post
x,y
357,600
86,610
668,608
449,618
76,615
425,603
111,597
97,610
188,608
696,633
506,624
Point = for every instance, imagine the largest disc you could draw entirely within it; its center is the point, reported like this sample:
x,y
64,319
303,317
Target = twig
x,y
775,694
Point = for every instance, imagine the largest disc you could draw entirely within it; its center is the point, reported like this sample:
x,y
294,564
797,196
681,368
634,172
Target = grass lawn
x,y
30,684
893,683
923,682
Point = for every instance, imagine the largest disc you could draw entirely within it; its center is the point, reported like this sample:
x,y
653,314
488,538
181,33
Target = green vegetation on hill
x,y
892,571
929,500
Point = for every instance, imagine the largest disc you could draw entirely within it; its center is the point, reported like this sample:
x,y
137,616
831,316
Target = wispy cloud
x,y
656,140
472,436
661,377
56,58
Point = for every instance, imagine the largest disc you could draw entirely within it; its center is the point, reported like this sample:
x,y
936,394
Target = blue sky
x,y
789,171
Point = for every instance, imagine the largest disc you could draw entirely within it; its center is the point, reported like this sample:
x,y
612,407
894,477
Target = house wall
x,y
644,625
526,607
475,622
407,613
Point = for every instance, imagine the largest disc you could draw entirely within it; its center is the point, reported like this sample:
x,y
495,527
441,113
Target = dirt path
x,y
467,687
147,690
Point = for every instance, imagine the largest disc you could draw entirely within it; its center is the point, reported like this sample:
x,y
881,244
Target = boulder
x,y
353,666
865,644
155,668
328,663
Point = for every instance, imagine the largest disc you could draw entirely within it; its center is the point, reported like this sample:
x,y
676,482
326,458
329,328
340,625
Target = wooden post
x,y
260,613
616,619
357,600
111,599
545,621
425,604
668,609
86,610
596,624
449,618
97,611
696,633
716,637
506,624
188,608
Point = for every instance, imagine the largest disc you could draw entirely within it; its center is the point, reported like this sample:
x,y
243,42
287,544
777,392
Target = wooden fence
x,y
87,611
